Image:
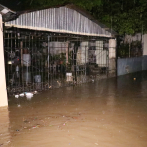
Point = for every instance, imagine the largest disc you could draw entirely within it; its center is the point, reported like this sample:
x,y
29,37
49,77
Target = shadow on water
x,y
110,112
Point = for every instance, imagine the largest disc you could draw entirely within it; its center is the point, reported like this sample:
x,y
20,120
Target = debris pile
x,y
28,95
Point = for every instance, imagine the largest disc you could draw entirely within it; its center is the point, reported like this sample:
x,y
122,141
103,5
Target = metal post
x,y
48,61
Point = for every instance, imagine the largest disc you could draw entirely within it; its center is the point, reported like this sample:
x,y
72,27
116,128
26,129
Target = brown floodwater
x,y
106,113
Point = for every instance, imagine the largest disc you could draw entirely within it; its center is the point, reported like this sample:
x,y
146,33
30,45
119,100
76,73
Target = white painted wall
x,y
100,54
144,42
3,92
112,48
112,56
82,54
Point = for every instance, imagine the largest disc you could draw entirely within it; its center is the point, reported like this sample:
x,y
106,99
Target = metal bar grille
x,y
41,60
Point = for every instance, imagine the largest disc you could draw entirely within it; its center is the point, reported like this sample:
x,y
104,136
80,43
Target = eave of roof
x,y
11,15
7,13
81,11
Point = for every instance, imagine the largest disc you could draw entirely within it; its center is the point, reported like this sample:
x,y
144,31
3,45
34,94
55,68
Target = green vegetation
x,y
123,16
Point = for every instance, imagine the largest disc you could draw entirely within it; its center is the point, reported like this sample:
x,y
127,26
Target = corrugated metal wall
x,y
61,19
129,65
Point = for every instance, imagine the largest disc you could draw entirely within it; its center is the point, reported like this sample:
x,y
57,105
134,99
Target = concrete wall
x,y
3,92
130,65
144,62
112,56
144,42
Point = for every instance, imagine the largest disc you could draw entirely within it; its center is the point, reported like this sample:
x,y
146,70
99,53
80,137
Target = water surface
x,y
107,113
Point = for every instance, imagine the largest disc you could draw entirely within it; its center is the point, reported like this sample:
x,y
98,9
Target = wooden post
x,y
3,91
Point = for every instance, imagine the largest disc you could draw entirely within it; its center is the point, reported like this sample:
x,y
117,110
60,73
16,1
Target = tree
x,y
86,4
125,17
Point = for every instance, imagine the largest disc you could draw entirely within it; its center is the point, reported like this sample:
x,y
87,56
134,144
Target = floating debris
x,y
8,141
59,83
18,105
35,92
17,96
29,95
37,126
21,95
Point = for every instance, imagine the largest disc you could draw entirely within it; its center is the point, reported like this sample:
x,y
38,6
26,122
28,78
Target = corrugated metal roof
x,y
65,19
7,13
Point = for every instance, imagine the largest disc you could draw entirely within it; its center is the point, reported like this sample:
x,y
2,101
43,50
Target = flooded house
x,y
56,47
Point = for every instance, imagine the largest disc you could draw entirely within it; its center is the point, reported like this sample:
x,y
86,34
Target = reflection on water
x,y
107,113
4,126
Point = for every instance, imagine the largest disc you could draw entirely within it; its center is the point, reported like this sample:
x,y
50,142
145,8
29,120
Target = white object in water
x,y
35,92
29,95
17,96
21,95
18,105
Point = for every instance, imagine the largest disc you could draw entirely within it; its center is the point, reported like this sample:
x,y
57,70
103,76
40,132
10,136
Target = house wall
x,y
3,92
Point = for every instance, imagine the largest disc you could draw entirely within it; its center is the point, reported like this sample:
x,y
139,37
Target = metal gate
x,y
41,60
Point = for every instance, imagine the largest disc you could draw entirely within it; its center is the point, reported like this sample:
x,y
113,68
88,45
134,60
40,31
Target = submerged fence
x,y
41,61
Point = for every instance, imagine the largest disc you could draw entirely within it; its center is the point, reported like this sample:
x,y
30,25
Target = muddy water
x,y
107,113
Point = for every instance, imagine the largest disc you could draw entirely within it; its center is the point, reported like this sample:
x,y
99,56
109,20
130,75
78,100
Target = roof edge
x,y
7,14
81,11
